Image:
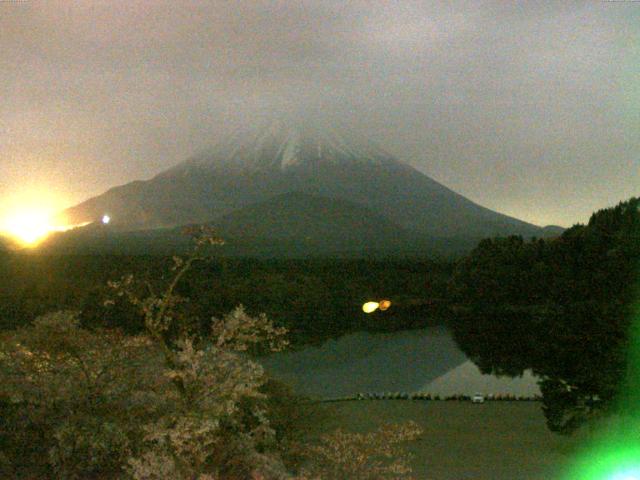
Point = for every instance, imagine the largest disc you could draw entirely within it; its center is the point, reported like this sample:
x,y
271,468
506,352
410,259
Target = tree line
x,y
315,299
563,308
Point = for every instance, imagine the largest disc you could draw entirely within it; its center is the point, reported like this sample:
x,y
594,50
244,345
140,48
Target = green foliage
x,y
59,381
375,455
89,446
77,403
314,299
560,307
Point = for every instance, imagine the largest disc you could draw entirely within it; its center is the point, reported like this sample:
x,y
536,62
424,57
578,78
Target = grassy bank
x,y
493,441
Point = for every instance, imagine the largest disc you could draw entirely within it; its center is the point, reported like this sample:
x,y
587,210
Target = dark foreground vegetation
x,y
313,299
563,308
173,401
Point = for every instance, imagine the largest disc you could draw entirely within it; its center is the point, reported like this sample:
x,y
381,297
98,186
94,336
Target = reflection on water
x,y
368,362
467,379
408,361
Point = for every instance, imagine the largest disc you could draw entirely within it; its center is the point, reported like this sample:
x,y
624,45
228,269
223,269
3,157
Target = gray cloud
x,y
528,108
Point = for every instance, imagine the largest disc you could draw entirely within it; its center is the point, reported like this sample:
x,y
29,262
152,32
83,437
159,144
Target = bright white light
x,y
106,219
370,307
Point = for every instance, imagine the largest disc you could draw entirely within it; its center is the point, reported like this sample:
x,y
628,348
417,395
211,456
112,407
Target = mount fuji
x,y
310,174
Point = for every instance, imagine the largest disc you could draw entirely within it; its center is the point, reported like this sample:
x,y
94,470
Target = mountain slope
x,y
291,225
309,218
253,166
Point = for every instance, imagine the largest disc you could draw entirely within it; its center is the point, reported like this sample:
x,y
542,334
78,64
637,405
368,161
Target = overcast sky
x,y
529,108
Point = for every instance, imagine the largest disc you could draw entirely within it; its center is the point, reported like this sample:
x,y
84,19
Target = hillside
x,y
329,223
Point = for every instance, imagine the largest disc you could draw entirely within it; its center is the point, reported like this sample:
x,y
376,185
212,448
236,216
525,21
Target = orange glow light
x,y
30,226
384,305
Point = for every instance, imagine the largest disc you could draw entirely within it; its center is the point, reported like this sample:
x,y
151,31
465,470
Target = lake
x,y
407,361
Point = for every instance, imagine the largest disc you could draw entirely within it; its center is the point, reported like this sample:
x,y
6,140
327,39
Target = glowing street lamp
x,y
370,307
384,305
106,219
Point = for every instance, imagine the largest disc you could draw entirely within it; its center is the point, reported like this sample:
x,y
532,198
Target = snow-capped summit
x,y
282,144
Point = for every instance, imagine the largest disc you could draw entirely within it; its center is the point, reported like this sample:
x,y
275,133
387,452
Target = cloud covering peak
x,y
522,107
